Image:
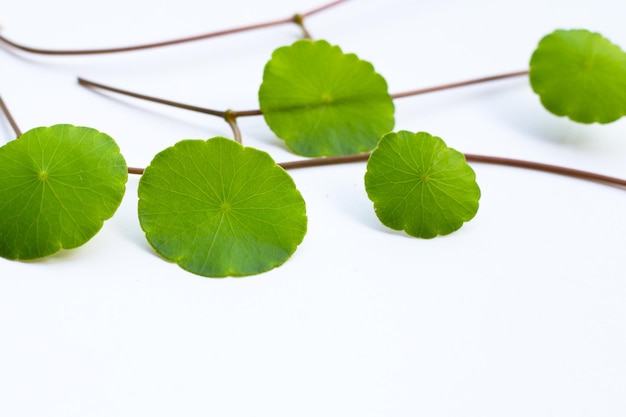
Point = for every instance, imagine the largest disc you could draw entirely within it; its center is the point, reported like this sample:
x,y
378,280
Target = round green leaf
x,y
421,186
323,102
217,208
581,75
57,186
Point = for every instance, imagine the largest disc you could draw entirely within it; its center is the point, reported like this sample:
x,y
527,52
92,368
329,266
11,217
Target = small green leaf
x,y
421,186
323,102
581,75
217,208
57,186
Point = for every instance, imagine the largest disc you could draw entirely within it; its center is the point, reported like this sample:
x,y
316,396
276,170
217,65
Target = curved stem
x,y
277,22
230,116
553,169
92,84
459,84
10,118
518,163
212,112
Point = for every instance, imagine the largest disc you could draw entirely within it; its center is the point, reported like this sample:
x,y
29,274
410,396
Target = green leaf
x,y
421,186
323,102
57,186
581,75
217,208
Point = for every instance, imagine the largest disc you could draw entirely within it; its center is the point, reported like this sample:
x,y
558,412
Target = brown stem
x,y
553,169
218,113
277,22
459,84
92,84
244,113
10,118
537,166
331,160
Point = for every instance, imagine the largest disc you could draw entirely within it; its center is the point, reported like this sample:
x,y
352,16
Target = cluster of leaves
x,y
218,208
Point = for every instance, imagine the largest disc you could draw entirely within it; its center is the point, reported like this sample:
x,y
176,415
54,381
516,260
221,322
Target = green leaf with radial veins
x,y
421,186
217,208
581,75
323,102
57,186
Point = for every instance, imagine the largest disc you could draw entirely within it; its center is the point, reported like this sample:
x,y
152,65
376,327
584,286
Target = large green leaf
x,y
581,75
218,208
323,102
57,186
421,186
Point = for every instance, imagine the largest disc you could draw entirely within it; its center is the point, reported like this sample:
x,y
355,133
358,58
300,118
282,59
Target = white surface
x,y
520,313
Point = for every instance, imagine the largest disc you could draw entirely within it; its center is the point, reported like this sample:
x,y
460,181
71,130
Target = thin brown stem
x,y
247,113
459,84
10,118
277,22
330,160
536,166
212,112
553,169
43,51
92,84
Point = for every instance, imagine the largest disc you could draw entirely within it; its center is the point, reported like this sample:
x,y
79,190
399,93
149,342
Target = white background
x,y
520,313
